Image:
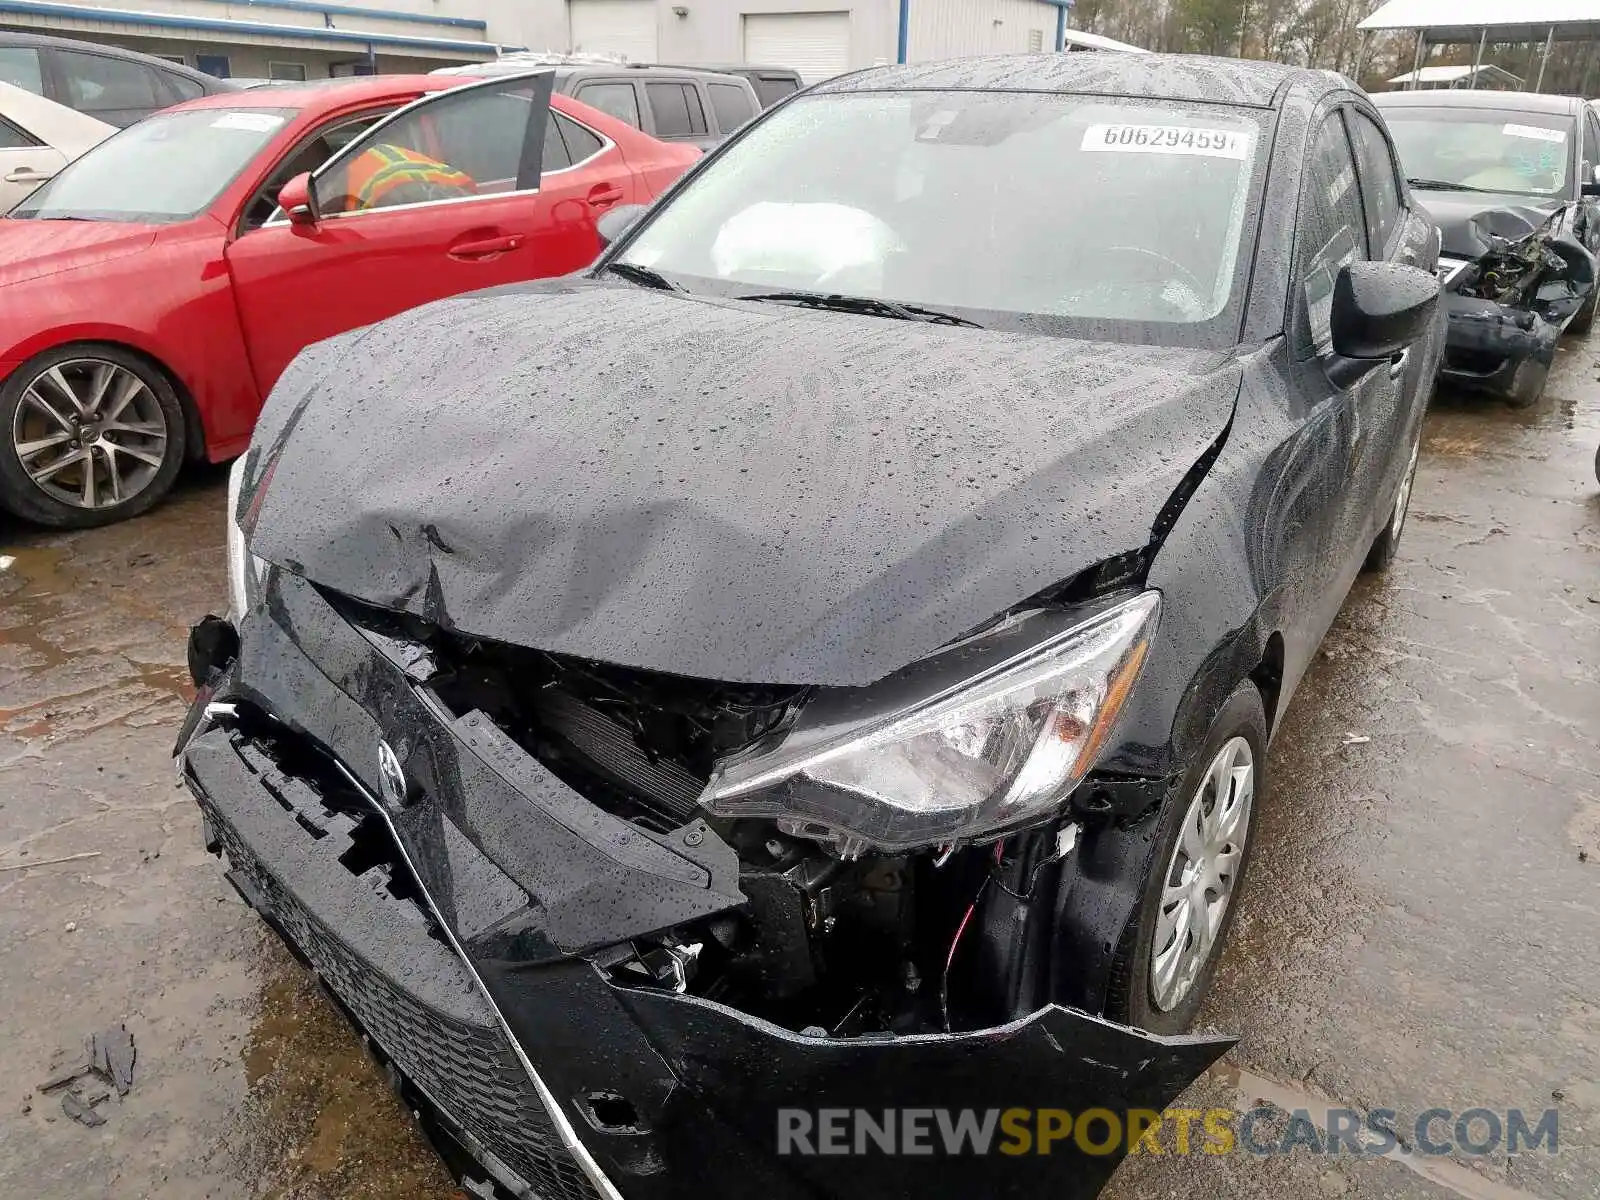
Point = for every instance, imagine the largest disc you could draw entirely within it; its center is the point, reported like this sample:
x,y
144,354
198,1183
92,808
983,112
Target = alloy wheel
x,y
1403,500
1201,874
89,433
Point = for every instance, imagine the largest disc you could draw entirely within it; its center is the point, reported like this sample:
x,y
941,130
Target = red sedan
x,y
152,293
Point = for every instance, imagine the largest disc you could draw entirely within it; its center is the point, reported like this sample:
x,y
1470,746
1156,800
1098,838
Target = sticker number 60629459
x,y
1167,139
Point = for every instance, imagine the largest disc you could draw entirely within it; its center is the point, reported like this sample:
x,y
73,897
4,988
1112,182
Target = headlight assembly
x,y
244,569
982,737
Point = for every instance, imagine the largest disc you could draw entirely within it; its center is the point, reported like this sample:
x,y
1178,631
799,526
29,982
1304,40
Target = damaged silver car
x,y
1513,179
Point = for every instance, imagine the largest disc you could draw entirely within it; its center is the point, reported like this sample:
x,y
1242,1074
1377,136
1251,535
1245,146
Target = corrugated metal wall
x,y
951,28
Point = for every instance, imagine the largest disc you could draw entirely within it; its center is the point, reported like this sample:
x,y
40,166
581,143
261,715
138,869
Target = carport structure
x,y
1479,22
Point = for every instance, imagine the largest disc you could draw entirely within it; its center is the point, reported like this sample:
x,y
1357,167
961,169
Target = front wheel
x,y
1202,848
1527,383
93,435
1388,542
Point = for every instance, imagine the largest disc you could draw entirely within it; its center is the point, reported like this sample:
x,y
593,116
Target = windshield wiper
x,y
1444,185
864,305
644,276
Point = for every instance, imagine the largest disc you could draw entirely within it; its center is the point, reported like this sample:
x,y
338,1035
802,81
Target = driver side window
x,y
1591,147
1332,233
308,156
480,141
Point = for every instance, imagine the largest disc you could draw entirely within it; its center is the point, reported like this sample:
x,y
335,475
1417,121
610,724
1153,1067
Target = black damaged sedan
x,y
1513,180
824,657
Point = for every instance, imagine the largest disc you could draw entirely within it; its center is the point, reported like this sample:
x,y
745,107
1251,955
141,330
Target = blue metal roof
x,y
355,10
290,33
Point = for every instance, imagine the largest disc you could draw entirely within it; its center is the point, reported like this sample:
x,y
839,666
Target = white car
x,y
37,138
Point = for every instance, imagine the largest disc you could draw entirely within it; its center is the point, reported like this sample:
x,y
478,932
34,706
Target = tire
x,y
1584,317
1527,385
97,406
1387,542
1132,995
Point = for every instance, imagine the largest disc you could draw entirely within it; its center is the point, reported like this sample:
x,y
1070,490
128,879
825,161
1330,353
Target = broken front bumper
x,y
559,1082
1486,343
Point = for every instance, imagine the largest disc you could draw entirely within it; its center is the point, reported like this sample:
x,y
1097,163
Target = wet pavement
x,y
1420,926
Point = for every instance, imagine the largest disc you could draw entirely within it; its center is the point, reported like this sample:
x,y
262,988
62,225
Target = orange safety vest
x,y
380,172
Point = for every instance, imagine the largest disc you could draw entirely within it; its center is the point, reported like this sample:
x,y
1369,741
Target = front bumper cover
x,y
1486,343
559,1082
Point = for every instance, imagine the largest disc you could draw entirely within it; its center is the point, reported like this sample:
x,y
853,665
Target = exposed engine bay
x,y
932,940
1513,278
1515,265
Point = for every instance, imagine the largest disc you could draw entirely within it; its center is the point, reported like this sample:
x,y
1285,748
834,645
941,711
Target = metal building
x,y
293,39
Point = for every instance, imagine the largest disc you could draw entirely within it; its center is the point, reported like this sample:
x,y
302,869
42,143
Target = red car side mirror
x,y
296,200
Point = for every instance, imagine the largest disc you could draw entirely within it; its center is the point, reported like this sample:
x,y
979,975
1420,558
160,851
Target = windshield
x,y
1017,210
168,167
1522,153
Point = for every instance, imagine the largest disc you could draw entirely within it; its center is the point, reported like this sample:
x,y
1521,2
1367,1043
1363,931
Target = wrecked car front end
x,y
631,828
586,985
1512,278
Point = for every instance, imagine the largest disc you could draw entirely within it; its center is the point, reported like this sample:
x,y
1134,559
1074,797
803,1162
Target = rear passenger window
x,y
618,99
19,66
770,89
1332,231
555,150
98,83
1380,186
732,105
182,86
581,144
677,109
12,138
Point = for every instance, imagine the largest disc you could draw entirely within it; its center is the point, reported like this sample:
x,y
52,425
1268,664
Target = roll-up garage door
x,y
625,27
815,44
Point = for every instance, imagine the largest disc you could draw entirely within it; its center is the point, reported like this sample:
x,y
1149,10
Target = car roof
x,y
10,38
733,68
318,92
1535,102
1150,76
568,70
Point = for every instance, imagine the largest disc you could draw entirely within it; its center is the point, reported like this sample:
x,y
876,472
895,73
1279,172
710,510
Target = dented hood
x,y
1467,219
723,489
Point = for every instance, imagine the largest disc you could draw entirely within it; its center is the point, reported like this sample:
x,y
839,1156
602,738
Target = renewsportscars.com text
x,y
1262,1131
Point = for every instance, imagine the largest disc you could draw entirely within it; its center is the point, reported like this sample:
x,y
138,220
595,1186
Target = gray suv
x,y
675,104
108,83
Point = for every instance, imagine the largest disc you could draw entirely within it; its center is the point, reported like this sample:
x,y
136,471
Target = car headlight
x,y
244,569
985,736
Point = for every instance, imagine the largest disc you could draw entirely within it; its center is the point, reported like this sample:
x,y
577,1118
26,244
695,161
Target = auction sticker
x,y
255,122
1167,139
1533,131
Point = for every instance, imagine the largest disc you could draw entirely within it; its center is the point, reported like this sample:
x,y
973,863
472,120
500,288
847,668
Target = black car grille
x,y
468,1071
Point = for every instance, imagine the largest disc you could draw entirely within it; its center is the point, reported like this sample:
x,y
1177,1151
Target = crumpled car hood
x,y
728,490
1465,217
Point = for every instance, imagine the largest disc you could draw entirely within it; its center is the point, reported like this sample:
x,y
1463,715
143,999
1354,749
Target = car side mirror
x,y
1591,186
1379,309
617,222
298,201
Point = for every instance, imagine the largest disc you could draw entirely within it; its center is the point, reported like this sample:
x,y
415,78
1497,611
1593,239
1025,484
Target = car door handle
x,y
602,194
1397,364
29,175
485,247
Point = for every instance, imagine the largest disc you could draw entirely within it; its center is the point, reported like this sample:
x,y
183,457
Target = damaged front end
x,y
612,929
1513,279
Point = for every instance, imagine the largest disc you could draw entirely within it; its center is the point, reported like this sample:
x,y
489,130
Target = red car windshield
x,y
168,167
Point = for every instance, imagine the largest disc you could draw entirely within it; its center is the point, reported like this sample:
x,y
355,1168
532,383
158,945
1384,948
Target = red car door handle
x,y
602,194
484,247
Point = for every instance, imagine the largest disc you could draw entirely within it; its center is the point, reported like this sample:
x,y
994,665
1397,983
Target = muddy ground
x,y
1420,926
